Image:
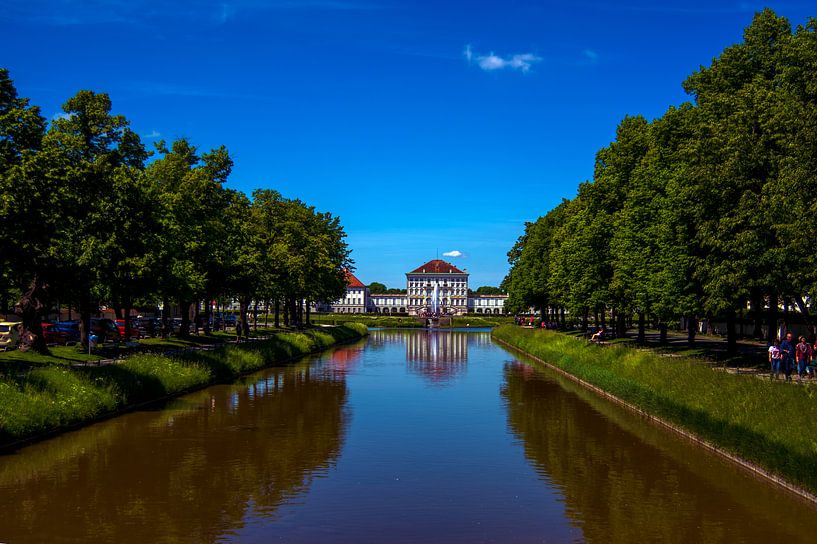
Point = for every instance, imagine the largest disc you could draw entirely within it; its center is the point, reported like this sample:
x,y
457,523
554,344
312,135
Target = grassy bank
x,y
370,320
768,423
54,397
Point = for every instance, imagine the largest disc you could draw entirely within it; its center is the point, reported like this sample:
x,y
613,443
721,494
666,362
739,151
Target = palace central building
x,y
441,279
436,282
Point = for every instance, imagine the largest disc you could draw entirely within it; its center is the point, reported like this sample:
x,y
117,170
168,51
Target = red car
x,y
134,330
54,336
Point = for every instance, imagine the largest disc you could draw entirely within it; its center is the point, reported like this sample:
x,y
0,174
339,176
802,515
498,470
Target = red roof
x,y
352,281
437,266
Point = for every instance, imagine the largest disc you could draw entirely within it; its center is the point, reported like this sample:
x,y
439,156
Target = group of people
x,y
536,323
785,357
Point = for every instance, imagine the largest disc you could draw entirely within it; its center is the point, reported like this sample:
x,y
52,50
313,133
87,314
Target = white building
x,y
487,304
387,304
356,300
435,280
441,279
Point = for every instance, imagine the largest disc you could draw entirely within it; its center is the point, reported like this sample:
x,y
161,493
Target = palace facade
x,y
436,286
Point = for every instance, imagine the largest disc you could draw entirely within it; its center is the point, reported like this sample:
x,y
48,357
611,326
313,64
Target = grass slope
x,y
769,423
53,397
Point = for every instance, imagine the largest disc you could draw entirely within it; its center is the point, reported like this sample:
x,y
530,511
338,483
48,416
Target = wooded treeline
x,y
90,217
701,213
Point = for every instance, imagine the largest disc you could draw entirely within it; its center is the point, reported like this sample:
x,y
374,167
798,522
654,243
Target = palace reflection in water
x,y
362,444
439,355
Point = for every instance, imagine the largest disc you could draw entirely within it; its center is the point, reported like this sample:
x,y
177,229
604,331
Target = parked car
x,y
176,325
70,329
135,330
105,330
230,320
148,326
53,335
9,335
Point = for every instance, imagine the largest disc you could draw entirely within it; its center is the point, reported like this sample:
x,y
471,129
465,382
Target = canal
x,y
408,436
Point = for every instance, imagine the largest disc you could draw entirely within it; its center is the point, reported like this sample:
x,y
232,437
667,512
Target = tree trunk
x,y
757,315
277,313
30,309
621,325
208,314
786,314
585,319
299,309
731,333
692,329
184,309
308,315
286,312
563,316
771,324
266,314
662,329
642,336
255,316
85,319
165,318
244,304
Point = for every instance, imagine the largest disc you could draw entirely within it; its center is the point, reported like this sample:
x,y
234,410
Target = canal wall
x,y
47,401
763,427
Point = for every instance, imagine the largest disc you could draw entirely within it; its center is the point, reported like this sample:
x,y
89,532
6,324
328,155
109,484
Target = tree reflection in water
x,y
190,472
627,481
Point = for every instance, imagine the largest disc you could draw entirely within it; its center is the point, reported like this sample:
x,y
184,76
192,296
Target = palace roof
x,y
437,266
352,281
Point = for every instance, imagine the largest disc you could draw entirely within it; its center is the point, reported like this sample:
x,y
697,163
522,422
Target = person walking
x,y
788,352
238,330
803,358
775,357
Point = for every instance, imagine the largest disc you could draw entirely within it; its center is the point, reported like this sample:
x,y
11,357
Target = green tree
x,y
25,223
377,288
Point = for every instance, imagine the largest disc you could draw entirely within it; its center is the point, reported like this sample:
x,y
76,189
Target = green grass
x,y
476,320
769,423
59,355
54,397
370,320
68,355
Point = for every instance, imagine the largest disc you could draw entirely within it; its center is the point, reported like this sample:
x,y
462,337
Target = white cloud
x,y
455,253
153,134
60,115
591,55
521,61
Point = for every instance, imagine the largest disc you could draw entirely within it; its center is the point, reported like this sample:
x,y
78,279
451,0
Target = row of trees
x,y
89,216
700,213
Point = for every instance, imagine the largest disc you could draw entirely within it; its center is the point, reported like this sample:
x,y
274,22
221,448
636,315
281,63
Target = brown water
x,y
410,436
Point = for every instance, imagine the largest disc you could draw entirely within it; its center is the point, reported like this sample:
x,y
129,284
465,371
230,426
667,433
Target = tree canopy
x,y
700,212
89,217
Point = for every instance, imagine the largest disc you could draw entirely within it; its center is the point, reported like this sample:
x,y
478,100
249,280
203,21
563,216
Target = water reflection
x,y
191,472
624,481
438,356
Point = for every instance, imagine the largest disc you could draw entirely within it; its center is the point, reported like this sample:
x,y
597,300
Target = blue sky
x,y
426,126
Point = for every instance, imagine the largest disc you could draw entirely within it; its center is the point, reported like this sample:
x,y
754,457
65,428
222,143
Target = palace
x,y
437,287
